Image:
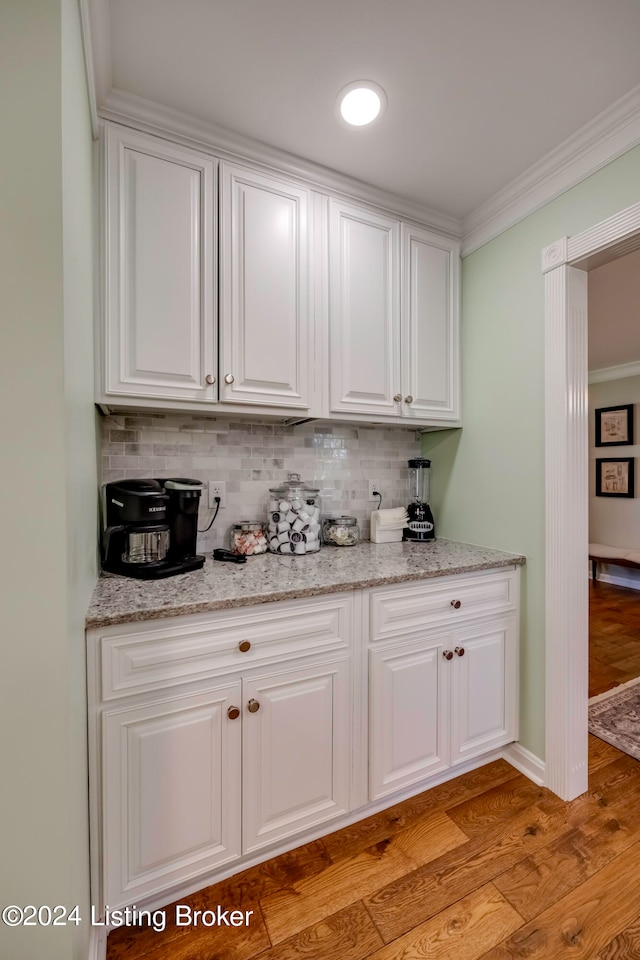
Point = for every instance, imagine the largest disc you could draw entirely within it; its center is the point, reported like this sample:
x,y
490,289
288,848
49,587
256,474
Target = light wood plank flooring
x,y
486,866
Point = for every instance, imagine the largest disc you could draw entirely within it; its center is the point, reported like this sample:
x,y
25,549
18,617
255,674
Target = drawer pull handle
x,y
408,399
210,379
456,604
244,645
447,654
228,378
460,651
233,713
253,706
397,397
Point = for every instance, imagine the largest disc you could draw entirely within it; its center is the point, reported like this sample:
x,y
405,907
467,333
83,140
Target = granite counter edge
x,y
180,610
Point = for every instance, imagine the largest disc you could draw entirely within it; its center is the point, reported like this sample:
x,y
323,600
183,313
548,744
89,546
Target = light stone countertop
x,y
270,577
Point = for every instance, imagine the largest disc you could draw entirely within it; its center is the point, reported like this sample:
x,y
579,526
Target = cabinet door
x,y
171,775
430,347
296,749
364,305
483,693
265,314
160,337
409,686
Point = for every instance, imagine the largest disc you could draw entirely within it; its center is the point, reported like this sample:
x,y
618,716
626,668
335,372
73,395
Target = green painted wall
x,y
48,484
488,477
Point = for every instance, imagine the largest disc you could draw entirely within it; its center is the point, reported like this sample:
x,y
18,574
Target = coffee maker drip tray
x,y
156,571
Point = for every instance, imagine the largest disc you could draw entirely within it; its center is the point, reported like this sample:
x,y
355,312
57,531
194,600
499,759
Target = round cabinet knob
x,y
228,378
397,397
244,645
408,399
210,379
233,713
456,604
460,651
447,654
253,706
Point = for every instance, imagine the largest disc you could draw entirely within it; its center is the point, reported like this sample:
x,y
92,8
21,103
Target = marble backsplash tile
x,y
251,456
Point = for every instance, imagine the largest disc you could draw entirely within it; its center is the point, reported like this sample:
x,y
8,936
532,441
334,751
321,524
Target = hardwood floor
x,y
486,867
614,636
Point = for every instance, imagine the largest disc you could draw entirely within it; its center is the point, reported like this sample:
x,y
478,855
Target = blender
x,y
420,526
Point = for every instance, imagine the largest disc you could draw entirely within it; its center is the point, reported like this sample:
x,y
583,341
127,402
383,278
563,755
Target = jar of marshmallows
x,y
248,537
293,518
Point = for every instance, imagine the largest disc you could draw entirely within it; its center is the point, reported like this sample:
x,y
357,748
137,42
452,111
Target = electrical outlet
x,y
374,485
217,488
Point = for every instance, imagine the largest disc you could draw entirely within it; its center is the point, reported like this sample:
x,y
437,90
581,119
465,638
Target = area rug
x,y
614,716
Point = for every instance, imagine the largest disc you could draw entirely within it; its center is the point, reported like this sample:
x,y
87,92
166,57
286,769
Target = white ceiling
x,y
478,90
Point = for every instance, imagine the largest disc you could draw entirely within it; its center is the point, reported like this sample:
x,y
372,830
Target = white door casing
x,y
565,265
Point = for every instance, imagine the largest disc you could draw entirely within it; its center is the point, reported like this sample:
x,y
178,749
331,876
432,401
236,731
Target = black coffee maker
x,y
151,527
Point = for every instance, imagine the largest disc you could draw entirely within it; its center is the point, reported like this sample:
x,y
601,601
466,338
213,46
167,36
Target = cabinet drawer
x,y
147,656
394,611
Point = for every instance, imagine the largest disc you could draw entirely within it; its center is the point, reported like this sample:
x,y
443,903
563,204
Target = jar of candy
x,y
340,531
293,519
248,537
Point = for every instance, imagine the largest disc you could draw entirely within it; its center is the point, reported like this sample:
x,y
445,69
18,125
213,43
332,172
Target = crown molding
x,y
593,146
151,117
96,42
620,372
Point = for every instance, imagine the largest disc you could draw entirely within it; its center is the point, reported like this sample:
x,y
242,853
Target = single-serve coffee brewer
x,y
151,527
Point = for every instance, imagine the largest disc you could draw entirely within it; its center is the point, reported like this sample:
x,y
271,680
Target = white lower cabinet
x,y
217,738
442,696
408,710
296,756
171,783
194,781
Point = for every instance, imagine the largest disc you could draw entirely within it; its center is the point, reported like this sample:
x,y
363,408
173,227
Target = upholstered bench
x,y
621,556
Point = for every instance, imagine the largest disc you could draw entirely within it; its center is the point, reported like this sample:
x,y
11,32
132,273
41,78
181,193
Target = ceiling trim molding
x,y
619,372
96,42
152,117
593,146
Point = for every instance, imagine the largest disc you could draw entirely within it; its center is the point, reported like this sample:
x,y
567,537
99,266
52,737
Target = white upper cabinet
x,y
364,311
393,318
159,336
265,312
325,307
430,360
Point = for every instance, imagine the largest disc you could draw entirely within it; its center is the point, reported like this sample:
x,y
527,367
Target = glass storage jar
x,y
340,531
294,517
248,537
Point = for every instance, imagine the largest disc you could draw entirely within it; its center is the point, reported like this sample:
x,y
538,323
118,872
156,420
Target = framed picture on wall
x,y
615,477
614,426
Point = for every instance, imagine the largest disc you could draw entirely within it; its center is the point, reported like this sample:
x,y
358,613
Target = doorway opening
x,y
565,265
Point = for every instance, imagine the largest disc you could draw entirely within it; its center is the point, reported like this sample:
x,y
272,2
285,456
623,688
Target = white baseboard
x,y
618,581
525,761
97,943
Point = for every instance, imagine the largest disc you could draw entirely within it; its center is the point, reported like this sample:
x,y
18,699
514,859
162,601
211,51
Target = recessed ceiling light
x,y
361,102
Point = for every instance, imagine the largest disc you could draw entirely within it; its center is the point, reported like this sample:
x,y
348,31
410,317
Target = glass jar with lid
x,y
293,518
340,531
248,537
